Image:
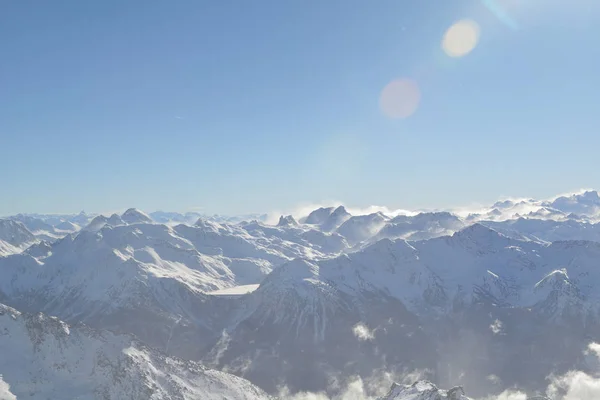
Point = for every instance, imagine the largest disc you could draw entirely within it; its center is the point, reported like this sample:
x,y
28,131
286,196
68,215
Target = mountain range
x,y
492,299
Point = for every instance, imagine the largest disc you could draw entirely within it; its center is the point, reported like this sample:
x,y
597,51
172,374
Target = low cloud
x,y
5,393
496,327
510,395
303,210
357,388
574,385
578,385
362,332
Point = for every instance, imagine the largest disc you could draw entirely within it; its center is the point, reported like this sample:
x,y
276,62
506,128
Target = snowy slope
x,y
166,217
150,279
475,264
337,293
49,228
67,226
399,298
547,230
8,249
142,278
101,221
334,220
14,237
420,226
135,216
362,227
298,241
319,216
44,358
585,203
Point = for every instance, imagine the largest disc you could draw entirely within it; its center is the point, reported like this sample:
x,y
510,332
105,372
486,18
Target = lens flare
x,y
400,98
461,38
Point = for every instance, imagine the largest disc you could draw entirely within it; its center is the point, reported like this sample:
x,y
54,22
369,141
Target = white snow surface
x,y
476,264
14,237
235,291
44,358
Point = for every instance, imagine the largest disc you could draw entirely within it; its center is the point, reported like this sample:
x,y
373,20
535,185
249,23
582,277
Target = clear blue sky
x,y
243,106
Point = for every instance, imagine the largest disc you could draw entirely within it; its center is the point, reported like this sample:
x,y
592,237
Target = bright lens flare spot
x,y
461,38
400,98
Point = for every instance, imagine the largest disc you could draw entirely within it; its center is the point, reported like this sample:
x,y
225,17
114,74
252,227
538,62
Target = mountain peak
x,y
477,230
480,238
319,215
15,233
135,216
287,221
339,211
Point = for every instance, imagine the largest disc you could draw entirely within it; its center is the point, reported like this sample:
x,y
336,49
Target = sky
x,y
248,106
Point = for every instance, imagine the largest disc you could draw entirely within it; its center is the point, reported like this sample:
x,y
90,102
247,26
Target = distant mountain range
x,y
511,292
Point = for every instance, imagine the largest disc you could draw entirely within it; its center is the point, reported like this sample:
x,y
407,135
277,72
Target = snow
x,y
14,237
234,291
45,358
178,286
135,216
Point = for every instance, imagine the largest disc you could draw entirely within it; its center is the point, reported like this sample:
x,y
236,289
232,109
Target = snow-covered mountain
x,y
584,203
45,358
14,237
350,312
463,296
359,228
151,279
547,230
423,390
135,216
166,217
101,221
475,264
318,216
52,227
420,226
141,278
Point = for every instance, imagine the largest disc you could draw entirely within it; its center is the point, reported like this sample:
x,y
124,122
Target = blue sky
x,y
244,106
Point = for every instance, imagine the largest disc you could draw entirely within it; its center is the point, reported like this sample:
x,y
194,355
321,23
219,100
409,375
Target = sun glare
x,y
461,38
400,98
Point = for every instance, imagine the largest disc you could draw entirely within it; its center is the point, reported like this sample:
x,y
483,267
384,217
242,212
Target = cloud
x,y
495,379
574,385
510,395
214,357
357,388
5,393
496,327
594,349
521,206
362,332
578,385
302,210
382,209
